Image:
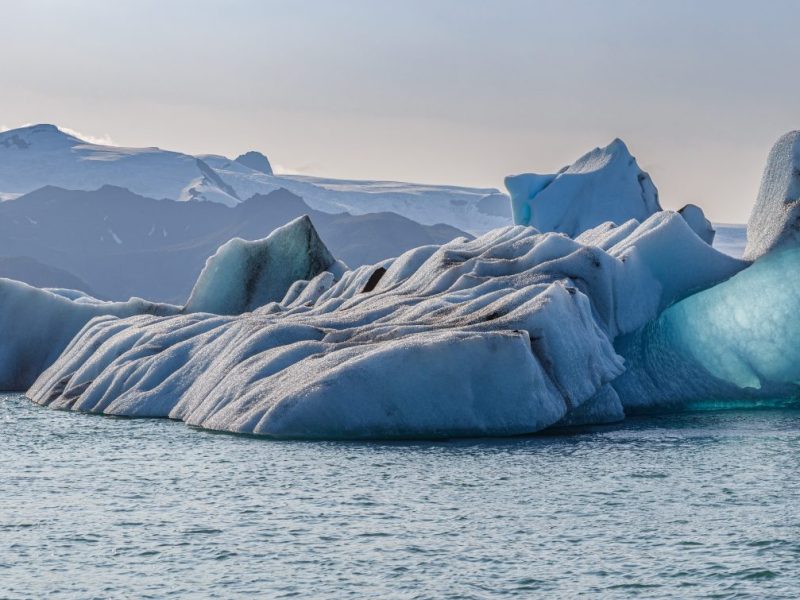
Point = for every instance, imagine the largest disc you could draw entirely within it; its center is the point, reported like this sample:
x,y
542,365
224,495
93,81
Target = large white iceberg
x,y
605,184
510,333
506,334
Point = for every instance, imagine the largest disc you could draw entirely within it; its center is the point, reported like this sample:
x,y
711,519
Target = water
x,y
700,504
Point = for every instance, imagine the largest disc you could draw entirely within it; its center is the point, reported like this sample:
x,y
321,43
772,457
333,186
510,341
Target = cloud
x,y
104,140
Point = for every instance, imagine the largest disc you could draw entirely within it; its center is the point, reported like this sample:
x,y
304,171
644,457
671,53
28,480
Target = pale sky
x,y
441,91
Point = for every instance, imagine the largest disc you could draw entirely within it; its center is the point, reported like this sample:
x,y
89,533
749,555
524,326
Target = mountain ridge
x,y
38,155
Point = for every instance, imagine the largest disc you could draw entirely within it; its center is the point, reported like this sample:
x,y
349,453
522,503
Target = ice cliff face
x,y
506,334
775,220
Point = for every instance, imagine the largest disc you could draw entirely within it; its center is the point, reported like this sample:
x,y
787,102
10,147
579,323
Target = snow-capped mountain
x,y
32,157
38,155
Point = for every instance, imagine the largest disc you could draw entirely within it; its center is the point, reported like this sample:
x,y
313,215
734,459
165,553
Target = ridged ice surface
x,y
775,220
505,334
242,275
37,324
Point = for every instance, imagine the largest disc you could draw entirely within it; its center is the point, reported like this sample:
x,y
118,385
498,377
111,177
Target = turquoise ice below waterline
x,y
684,506
745,330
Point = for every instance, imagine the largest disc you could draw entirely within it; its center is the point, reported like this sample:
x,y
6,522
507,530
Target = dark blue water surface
x,y
698,504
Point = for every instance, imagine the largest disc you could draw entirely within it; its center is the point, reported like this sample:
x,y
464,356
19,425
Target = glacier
x,y
38,155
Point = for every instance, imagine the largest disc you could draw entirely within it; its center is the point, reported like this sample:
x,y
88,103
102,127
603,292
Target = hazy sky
x,y
441,91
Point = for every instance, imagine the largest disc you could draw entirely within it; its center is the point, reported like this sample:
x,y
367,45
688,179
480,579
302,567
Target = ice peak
x,y
617,145
244,275
775,220
605,184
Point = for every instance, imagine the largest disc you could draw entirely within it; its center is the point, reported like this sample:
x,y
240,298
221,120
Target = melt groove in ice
x,y
506,334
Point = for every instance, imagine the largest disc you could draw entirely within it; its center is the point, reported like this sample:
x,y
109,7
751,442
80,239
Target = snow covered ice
x,y
605,184
506,334
775,221
515,331
38,155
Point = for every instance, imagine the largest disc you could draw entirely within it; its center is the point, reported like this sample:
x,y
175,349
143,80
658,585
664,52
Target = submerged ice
x,y
735,340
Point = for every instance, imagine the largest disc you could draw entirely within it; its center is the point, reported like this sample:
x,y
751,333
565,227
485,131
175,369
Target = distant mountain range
x,y
38,155
38,274
122,244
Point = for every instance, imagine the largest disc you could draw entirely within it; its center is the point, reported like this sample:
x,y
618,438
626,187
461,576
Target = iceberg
x,y
38,324
510,333
506,334
697,221
243,275
775,220
605,184
736,340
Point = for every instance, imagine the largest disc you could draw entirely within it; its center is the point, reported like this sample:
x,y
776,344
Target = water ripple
x,y
694,505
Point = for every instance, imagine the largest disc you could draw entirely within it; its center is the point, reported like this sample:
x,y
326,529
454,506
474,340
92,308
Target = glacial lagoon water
x,y
698,504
